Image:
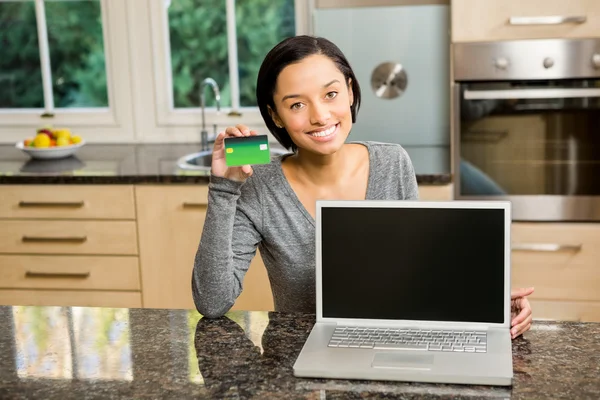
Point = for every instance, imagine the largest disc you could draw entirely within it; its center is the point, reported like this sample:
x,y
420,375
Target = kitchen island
x,y
80,353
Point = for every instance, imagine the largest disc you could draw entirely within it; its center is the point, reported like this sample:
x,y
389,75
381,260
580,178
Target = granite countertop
x,y
139,163
81,353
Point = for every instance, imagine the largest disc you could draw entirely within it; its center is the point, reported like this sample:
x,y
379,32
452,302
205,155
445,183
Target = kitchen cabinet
x,y
170,222
140,247
490,20
561,260
436,192
69,245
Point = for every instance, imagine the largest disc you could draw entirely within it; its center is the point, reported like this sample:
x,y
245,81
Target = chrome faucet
x,y
204,141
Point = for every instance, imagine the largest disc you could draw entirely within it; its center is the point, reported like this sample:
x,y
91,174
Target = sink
x,y
201,161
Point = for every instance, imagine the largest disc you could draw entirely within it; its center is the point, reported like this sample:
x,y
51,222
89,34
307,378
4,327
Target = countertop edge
x,y
422,179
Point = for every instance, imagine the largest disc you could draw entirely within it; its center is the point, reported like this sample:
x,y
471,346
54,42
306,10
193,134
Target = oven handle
x,y
547,247
548,20
530,94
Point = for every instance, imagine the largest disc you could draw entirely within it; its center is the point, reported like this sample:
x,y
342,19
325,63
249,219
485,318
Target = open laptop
x,y
411,291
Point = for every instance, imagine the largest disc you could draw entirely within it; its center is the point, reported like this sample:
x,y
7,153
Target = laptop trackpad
x,y
402,361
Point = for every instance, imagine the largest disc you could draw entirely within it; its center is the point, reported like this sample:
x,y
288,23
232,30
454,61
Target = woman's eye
x,y
296,106
331,95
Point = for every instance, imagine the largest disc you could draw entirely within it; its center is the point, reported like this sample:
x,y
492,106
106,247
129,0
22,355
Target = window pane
x,y
20,72
77,53
198,35
261,24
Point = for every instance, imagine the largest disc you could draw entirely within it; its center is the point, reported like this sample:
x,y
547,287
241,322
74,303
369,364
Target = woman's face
x,y
312,101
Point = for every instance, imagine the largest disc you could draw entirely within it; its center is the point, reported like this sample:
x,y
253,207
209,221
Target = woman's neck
x,y
320,170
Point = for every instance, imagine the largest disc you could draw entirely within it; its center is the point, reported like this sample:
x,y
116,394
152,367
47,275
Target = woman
x,y
309,97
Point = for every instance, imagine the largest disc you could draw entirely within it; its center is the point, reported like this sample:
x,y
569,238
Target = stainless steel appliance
x,y
527,126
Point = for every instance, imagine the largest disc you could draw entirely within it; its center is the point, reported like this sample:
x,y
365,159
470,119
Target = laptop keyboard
x,y
410,339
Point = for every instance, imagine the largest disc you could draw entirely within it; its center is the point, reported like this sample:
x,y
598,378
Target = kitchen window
x,y
222,39
57,65
123,71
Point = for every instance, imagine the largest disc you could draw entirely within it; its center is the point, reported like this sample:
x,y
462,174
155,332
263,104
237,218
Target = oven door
x,y
535,143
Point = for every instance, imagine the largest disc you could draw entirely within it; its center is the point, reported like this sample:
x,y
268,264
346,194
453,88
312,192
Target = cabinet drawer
x,y
560,260
68,237
490,20
67,202
69,272
73,298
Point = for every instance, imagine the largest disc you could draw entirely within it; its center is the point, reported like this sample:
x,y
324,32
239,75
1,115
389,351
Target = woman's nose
x,y
319,114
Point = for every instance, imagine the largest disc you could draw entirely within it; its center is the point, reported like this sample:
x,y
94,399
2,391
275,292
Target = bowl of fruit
x,y
51,143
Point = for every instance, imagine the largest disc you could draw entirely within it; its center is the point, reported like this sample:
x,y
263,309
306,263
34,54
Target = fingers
x,y
521,328
521,292
524,310
219,139
238,130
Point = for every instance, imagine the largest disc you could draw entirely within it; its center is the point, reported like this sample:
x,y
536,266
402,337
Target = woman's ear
x,y
350,92
275,117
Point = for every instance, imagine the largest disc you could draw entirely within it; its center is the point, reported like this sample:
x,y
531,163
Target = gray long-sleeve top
x,y
265,213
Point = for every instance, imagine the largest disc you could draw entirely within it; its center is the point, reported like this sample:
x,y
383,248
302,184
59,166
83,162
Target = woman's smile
x,y
324,134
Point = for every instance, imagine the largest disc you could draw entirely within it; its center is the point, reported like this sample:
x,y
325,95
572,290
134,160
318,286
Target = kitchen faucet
x,y
204,141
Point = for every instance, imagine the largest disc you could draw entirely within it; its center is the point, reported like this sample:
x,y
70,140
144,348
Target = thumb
x,y
520,292
247,170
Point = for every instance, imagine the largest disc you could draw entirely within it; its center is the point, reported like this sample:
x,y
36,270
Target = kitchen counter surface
x,y
138,163
84,353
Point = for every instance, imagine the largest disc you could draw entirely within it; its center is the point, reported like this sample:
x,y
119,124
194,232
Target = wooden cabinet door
x,y
494,20
170,221
561,260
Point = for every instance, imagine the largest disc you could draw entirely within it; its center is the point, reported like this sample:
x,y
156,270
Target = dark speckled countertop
x,y
87,353
136,163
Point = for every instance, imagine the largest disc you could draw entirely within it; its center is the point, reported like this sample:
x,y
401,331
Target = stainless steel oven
x,y
527,126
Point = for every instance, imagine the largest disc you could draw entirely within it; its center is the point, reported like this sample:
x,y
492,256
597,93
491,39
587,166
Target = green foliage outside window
x,y
76,55
198,38
198,33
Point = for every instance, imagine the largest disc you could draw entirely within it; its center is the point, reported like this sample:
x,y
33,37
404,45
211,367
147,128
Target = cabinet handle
x,y
69,239
71,204
552,93
548,20
187,204
78,275
547,247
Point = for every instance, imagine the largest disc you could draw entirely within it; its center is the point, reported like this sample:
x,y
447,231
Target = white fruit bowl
x,y
49,153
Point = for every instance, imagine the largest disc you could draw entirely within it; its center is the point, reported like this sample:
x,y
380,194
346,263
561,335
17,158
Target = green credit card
x,y
247,150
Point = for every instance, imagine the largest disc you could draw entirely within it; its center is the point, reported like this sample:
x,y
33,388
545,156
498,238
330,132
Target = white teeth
x,y
326,132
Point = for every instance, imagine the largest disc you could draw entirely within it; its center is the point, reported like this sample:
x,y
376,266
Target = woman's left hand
x,y
520,312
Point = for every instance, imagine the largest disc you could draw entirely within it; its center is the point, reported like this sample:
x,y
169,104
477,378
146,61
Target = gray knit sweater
x,y
265,213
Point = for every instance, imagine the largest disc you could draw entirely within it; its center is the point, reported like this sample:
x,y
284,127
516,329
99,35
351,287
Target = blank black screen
x,y
413,263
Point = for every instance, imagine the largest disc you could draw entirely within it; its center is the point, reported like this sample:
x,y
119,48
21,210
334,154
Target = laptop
x,y
411,291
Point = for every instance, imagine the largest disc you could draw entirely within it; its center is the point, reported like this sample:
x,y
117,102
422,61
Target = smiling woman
x,y
309,97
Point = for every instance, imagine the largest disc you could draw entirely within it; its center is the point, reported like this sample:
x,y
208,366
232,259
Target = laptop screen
x,y
429,264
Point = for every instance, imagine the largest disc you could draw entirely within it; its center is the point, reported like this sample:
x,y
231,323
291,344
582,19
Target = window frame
x,y
169,116
112,123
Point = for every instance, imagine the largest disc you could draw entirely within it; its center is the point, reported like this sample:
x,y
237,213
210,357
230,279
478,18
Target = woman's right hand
x,y
219,167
